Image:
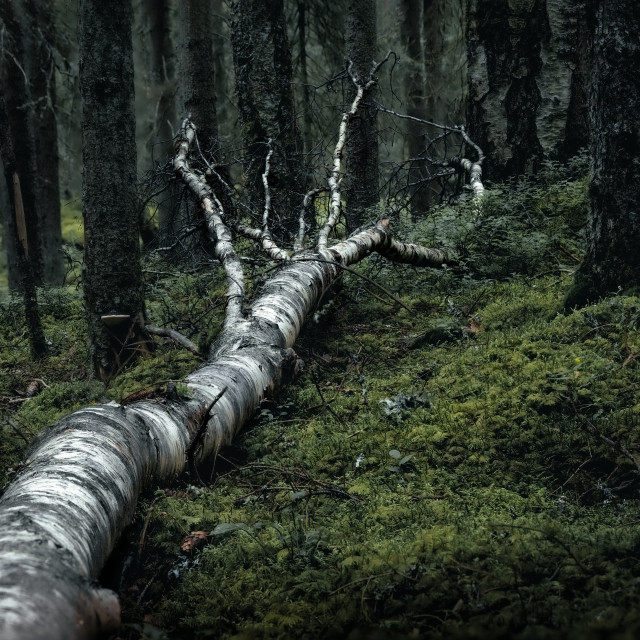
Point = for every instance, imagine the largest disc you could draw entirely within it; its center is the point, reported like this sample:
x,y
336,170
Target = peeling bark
x,y
527,81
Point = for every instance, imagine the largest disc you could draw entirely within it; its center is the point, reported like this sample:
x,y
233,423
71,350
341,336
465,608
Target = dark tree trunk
x,y
195,59
411,36
42,34
8,246
613,232
574,34
445,60
197,101
304,74
112,275
222,64
16,234
504,44
162,76
361,188
527,82
19,103
262,61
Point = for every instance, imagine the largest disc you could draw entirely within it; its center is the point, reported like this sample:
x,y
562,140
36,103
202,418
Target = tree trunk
x,y
222,64
162,76
301,6
20,108
42,76
195,59
78,488
613,230
361,188
527,83
16,234
262,61
573,31
62,514
445,61
414,79
8,246
562,119
111,271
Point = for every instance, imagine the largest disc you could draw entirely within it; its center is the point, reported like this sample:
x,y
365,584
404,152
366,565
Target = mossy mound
x,y
466,469
492,506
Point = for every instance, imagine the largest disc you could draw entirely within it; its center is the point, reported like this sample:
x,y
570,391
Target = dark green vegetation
x,y
466,469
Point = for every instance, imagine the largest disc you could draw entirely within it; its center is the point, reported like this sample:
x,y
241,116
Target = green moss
x,y
151,371
57,401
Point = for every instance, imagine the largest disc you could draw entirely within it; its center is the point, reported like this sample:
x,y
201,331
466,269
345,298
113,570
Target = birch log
x,y
77,490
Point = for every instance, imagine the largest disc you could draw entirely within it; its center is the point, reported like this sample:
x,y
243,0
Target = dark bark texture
x,y
111,270
361,180
301,6
613,232
17,62
262,61
41,29
196,66
445,61
410,17
162,79
8,233
526,81
16,220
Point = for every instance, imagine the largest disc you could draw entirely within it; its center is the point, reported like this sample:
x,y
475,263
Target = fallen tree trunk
x,y
60,518
68,504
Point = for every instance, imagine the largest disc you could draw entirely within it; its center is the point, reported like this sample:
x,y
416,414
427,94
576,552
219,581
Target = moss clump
x,y
58,400
151,371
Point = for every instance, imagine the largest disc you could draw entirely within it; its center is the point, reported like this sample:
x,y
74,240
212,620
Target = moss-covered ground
x,y
468,468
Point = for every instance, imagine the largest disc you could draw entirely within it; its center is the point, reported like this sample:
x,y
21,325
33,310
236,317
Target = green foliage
x,y
151,371
526,227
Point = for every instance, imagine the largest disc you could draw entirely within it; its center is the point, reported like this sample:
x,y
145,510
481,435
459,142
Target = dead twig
x,y
177,337
197,441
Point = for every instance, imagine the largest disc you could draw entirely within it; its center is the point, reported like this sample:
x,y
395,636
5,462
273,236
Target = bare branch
x,y
307,205
175,336
269,245
267,192
334,178
472,169
213,213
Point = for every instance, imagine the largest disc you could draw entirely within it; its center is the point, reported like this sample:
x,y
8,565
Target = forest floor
x,y
468,468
